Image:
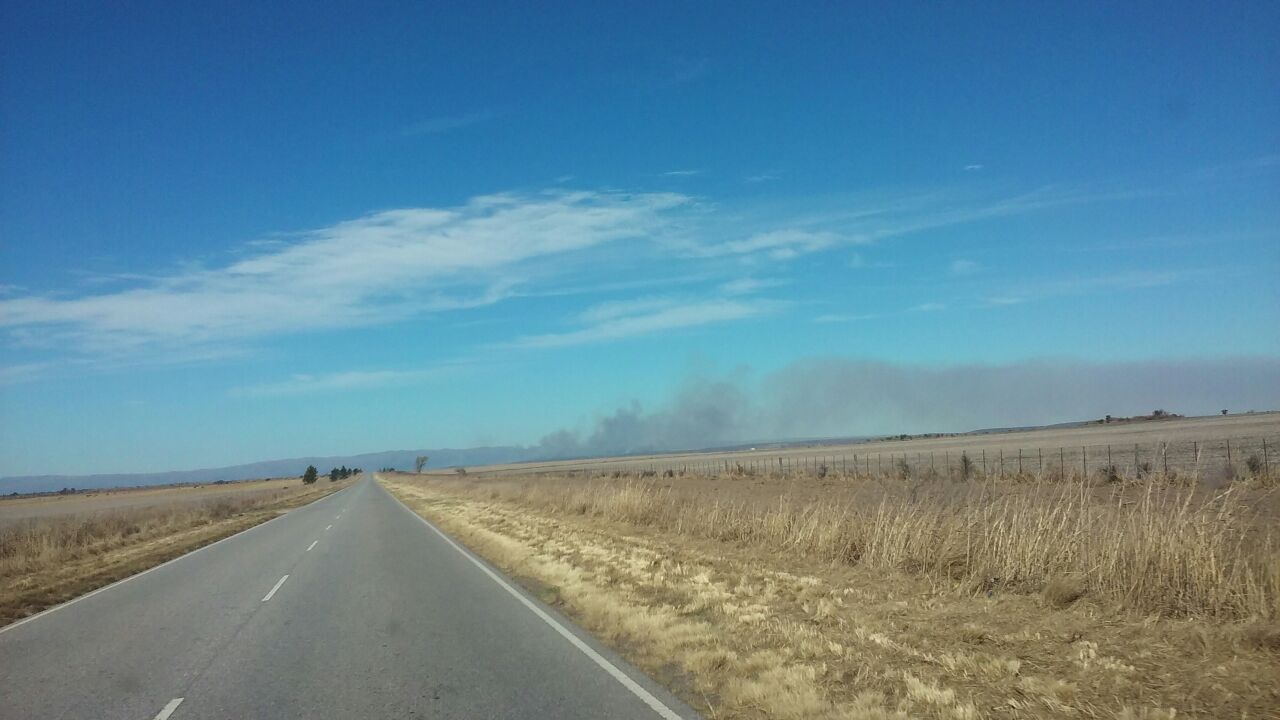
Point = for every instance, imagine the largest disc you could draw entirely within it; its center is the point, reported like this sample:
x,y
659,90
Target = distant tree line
x,y
342,473
336,474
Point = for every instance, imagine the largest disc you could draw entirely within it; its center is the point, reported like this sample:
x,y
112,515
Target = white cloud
x,y
681,173
304,384
929,307
619,321
858,262
831,318
382,267
445,123
778,244
763,177
973,168
748,286
403,264
964,267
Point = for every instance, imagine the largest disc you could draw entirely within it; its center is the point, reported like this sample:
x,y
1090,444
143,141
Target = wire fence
x,y
1229,458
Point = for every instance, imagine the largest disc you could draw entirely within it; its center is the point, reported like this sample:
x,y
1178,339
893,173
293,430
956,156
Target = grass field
x,y
21,508
1208,447
49,557
847,596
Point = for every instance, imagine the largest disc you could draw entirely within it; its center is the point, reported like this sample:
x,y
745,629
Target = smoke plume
x,y
842,397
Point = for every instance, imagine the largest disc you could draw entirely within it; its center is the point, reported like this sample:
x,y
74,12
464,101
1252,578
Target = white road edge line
x,y
167,710
645,696
274,589
313,544
135,576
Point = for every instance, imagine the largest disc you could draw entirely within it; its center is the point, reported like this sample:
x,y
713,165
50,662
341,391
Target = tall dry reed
x,y
1154,547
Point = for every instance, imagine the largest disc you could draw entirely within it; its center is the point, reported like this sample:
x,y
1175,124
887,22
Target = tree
x,y
310,475
333,475
419,463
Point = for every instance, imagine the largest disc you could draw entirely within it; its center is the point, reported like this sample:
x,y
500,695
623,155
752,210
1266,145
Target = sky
x,y
229,234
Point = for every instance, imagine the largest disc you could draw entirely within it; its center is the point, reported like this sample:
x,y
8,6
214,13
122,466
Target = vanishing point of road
x,y
349,607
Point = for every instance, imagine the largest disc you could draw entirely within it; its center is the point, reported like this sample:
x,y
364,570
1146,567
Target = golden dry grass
x,y
1023,600
46,561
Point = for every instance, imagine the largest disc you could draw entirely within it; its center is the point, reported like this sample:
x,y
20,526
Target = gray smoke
x,y
841,397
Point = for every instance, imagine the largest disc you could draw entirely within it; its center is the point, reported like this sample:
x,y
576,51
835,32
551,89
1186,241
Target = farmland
x,y
815,590
54,548
30,507
1204,446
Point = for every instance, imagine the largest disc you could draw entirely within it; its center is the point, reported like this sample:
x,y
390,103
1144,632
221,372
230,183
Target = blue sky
x,y
229,235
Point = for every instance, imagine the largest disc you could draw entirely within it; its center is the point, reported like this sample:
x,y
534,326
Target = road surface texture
x,y
349,607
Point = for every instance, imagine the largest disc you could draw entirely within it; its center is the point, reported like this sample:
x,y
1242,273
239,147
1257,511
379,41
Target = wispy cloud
x,y
857,261
778,244
305,384
405,264
446,123
973,168
681,173
620,321
383,267
832,318
749,286
929,307
762,177
963,267
1063,287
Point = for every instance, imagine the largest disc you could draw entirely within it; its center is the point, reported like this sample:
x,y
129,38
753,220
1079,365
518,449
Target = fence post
x,y
1062,462
1040,457
1084,462
1019,461
1135,459
1266,461
1228,453
984,462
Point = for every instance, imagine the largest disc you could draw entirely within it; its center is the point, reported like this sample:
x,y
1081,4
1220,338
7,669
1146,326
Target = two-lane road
x,y
348,607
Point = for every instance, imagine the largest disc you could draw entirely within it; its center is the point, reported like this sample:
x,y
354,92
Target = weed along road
x,y
351,606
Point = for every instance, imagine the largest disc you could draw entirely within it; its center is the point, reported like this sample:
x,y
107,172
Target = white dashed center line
x,y
273,591
313,544
167,710
326,527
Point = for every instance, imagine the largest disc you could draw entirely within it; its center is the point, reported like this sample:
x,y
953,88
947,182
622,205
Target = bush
x,y
310,475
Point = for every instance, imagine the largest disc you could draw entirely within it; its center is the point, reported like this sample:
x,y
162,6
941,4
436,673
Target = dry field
x,y
27,507
47,558
847,596
1202,446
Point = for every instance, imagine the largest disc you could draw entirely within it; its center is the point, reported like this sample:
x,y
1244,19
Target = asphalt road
x,y
350,607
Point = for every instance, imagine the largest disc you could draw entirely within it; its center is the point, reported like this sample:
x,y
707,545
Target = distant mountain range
x,y
293,467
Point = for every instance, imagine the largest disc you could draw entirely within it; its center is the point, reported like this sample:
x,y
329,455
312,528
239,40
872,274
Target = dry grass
x,y
1158,547
45,561
857,599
